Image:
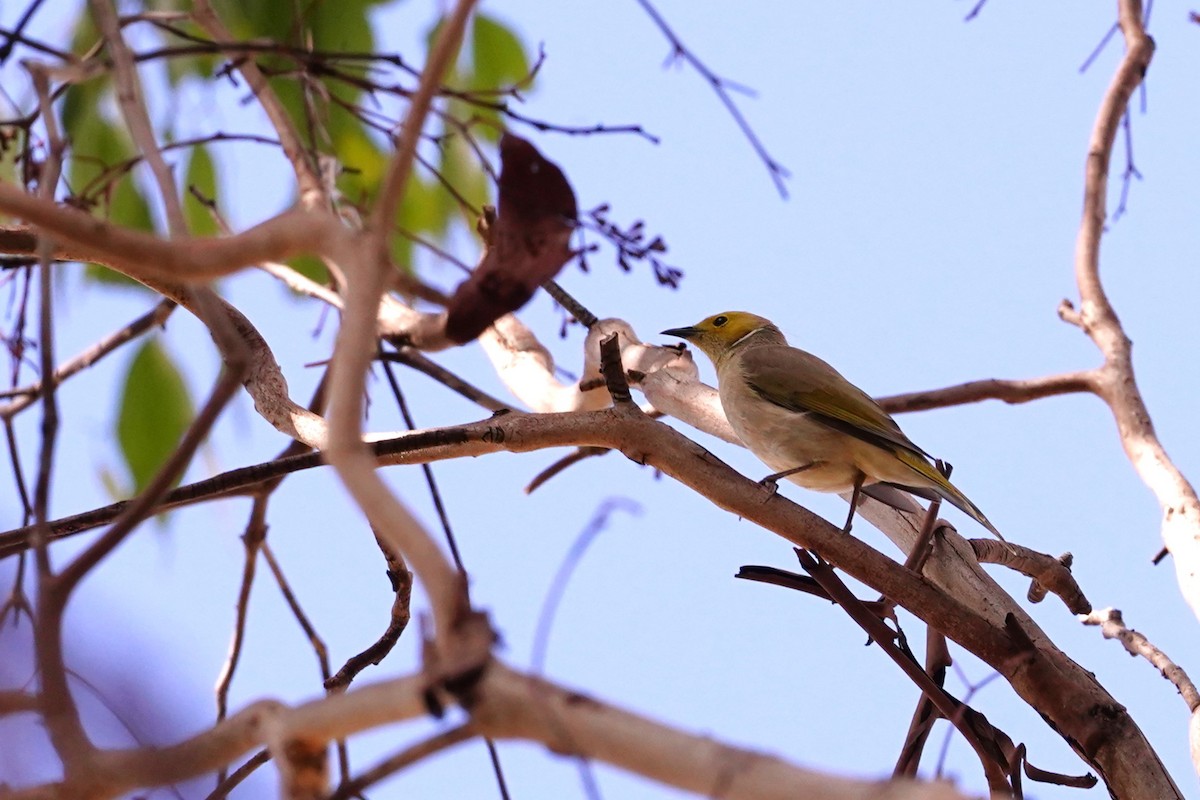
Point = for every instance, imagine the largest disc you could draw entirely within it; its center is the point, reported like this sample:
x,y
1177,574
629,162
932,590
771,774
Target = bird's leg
x,y
854,497
771,482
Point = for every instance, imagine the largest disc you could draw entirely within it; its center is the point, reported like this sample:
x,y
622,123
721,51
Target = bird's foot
x,y
771,484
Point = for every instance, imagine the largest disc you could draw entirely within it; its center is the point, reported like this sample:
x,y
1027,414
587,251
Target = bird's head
x,y
720,334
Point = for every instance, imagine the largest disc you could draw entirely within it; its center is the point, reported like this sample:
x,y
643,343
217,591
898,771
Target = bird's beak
x,y
682,333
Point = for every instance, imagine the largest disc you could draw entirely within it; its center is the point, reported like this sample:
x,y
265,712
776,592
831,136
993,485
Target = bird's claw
x,y
771,484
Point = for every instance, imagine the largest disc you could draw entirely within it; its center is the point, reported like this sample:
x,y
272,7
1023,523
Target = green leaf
x,y
96,146
156,408
341,26
499,62
310,267
98,159
363,162
199,65
95,273
460,169
424,211
497,55
201,177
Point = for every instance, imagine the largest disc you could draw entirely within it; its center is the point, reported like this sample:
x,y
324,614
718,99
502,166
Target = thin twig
x,y
307,174
60,715
407,757
144,504
310,632
567,461
15,35
238,775
937,661
721,87
131,100
1010,391
402,583
575,308
252,538
434,493
1112,625
412,357
881,635
25,395
562,576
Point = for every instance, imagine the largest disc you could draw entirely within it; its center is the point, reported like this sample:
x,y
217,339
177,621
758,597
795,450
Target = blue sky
x,y
927,240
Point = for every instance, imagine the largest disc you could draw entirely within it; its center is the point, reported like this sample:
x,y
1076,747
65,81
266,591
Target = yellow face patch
x,y
729,326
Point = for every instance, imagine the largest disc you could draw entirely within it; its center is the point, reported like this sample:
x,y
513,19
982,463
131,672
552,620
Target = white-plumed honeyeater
x,y
808,423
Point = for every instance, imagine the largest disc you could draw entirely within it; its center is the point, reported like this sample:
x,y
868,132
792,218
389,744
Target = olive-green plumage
x,y
803,419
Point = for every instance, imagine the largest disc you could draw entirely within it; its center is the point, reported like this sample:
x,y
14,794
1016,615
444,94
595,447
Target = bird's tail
x,y
948,491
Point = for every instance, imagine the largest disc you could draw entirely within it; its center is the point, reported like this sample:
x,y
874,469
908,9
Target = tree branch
x,y
1010,391
1096,316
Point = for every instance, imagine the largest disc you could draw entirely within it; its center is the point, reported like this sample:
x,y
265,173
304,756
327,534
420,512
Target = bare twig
x,y
1010,391
405,758
575,308
994,767
402,581
14,36
579,454
227,385
562,576
252,539
307,173
132,102
25,395
1048,573
238,775
411,357
1112,625
721,86
937,661
59,712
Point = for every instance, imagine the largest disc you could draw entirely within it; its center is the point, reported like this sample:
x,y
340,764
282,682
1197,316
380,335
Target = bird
x,y
808,423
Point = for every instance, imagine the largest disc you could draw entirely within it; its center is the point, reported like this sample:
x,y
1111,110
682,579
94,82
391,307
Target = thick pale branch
x,y
1118,387
188,260
368,267
505,704
265,381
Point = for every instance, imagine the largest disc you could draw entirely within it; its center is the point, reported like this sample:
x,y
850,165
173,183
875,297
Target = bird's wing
x,y
801,382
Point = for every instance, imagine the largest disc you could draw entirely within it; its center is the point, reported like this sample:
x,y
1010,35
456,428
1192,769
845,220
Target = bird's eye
x,y
719,321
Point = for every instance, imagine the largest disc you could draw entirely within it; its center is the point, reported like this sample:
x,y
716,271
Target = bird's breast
x,y
784,439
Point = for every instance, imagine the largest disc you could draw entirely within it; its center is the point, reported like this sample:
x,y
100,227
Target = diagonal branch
x,y
25,396
952,595
132,102
307,175
368,266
